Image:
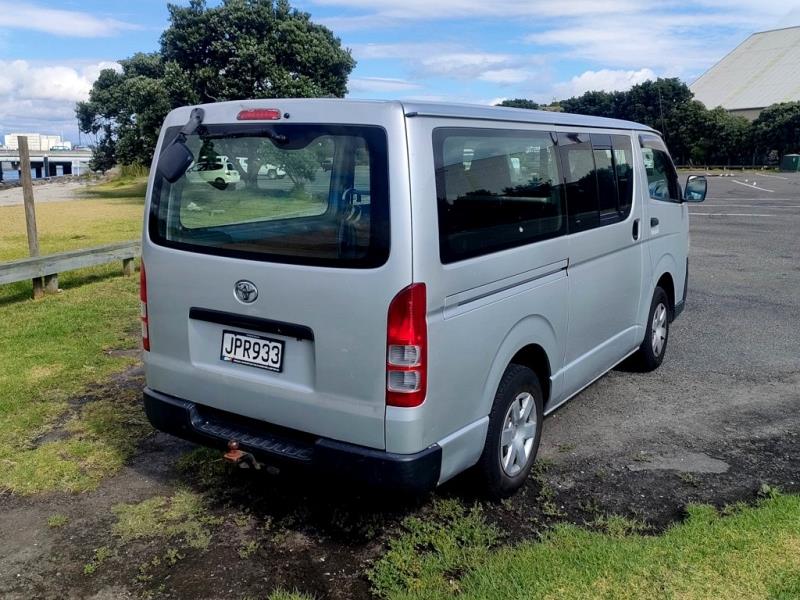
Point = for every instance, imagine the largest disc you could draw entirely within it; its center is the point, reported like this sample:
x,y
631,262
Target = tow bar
x,y
244,460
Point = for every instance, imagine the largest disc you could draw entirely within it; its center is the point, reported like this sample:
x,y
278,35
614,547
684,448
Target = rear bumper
x,y
413,473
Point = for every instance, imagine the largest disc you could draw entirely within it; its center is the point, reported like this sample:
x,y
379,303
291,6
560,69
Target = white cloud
x,y
42,97
25,81
464,65
398,11
403,50
505,76
379,84
19,15
605,80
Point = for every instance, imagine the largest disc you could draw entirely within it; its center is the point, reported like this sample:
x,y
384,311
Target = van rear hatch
x,y
267,293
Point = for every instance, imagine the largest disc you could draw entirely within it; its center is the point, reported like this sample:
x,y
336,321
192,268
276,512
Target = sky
x,y
477,51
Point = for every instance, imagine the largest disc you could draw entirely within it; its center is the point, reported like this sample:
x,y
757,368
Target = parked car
x,y
272,171
219,173
476,270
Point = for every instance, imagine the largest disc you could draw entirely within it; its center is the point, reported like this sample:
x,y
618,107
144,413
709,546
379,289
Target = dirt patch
x,y
268,532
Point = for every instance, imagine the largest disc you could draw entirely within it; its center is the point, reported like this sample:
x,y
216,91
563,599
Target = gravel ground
x,y
56,191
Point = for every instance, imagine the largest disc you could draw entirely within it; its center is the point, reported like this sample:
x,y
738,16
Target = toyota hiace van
x,y
425,284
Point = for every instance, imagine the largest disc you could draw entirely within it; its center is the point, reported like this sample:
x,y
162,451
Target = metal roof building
x,y
762,70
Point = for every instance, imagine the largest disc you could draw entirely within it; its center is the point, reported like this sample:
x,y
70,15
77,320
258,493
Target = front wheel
x,y
650,354
515,428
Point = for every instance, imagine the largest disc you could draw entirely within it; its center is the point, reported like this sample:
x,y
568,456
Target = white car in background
x,y
220,173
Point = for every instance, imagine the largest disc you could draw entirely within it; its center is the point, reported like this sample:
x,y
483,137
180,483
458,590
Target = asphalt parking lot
x,y
721,417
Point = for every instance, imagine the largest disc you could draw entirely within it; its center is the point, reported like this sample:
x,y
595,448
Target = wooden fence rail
x,y
48,267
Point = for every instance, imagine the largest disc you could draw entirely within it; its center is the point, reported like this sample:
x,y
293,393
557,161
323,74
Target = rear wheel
x,y
272,174
650,354
515,428
220,184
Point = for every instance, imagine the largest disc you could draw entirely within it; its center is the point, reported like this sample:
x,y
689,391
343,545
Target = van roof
x,y
519,115
424,109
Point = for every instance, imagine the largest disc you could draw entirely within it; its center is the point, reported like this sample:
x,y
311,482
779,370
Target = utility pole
x,y
30,210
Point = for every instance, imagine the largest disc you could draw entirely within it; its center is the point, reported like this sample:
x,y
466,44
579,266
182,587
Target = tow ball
x,y
238,457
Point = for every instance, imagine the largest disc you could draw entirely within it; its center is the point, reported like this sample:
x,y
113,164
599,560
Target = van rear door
x,y
268,297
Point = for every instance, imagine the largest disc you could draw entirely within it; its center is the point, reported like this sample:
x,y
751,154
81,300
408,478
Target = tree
x,y
239,49
519,103
777,129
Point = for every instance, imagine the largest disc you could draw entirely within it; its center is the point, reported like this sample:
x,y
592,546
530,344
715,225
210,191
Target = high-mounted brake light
x,y
407,348
259,114
143,308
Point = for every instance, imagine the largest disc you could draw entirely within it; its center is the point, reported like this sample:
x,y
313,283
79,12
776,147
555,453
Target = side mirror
x,y
174,161
177,157
696,189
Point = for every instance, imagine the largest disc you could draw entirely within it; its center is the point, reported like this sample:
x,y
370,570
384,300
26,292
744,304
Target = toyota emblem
x,y
245,291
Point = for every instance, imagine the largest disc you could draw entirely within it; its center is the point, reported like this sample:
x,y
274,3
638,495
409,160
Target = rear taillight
x,y
407,348
143,308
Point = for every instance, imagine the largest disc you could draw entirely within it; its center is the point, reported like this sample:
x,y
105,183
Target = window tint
x,y
495,190
319,196
662,179
623,166
599,178
577,160
606,179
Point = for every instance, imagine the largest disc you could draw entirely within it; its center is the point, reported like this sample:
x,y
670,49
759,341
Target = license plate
x,y
252,350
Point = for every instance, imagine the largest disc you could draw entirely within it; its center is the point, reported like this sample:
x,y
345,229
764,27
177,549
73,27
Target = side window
x,y
496,189
623,166
577,160
606,179
662,179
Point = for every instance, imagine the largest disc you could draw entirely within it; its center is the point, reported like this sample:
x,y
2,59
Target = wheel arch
x,y
531,342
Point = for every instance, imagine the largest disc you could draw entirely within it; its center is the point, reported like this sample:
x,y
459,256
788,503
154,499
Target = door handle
x,y
635,229
653,221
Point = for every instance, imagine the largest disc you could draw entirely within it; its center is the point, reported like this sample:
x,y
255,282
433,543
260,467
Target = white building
x,y
37,142
762,70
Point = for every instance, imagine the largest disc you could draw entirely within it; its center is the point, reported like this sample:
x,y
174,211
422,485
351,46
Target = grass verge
x,y
63,424
749,552
102,214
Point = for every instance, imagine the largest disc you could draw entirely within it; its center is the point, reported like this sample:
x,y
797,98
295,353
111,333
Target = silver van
x,y
425,284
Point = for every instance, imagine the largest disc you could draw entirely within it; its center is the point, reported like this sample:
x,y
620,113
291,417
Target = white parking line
x,y
754,187
703,214
772,176
769,206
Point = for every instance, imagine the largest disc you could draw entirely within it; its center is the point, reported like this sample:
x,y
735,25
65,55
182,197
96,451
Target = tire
x,y
220,184
651,353
272,174
503,469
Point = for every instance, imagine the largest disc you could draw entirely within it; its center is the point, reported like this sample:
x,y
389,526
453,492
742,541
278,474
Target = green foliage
x,y
520,103
182,516
57,520
694,133
434,551
753,553
777,128
236,50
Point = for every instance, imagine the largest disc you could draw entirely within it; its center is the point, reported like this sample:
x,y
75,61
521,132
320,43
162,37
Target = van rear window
x,y
304,194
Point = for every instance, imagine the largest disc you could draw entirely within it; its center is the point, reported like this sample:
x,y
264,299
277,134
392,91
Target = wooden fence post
x,y
30,211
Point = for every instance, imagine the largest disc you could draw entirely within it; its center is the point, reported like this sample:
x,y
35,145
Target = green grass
x,y
751,552
105,213
204,206
182,515
63,426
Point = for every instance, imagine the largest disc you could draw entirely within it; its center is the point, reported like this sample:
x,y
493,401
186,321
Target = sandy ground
x,y
46,192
